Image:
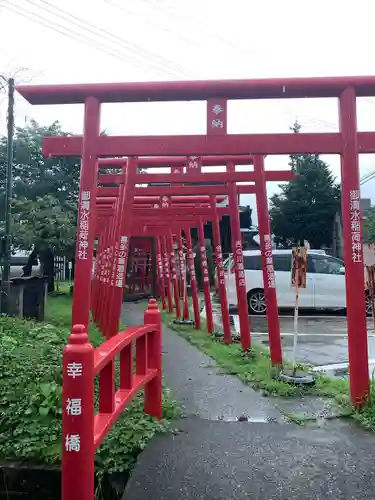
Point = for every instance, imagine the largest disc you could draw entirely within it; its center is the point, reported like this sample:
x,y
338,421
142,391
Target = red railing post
x,y
153,389
78,417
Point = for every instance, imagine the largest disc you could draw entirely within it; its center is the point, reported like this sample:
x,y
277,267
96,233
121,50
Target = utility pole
x,y
8,199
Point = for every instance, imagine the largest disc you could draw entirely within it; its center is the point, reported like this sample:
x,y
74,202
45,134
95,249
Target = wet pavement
x,y
322,338
235,444
199,386
209,460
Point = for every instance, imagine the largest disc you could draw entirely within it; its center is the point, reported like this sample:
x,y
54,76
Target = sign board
x,y
299,266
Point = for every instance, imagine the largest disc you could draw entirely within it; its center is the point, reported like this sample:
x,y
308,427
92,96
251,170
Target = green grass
x,y
30,396
63,286
366,416
59,313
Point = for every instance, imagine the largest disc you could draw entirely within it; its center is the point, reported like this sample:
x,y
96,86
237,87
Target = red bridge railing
x,y
82,429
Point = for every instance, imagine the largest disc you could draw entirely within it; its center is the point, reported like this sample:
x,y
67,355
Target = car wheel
x,y
257,302
368,305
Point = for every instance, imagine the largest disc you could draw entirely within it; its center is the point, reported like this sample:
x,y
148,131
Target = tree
x,y
306,206
369,225
45,194
45,223
33,175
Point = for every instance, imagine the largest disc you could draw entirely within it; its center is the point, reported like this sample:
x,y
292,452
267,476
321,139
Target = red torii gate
x,y
348,143
139,228
261,177
168,216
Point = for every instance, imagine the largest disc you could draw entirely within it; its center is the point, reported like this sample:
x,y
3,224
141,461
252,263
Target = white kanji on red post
x,y
217,123
217,109
355,194
238,263
74,406
73,442
164,201
193,164
355,224
83,228
74,369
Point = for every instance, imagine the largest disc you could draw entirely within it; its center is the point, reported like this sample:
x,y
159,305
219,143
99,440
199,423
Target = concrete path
x,y
215,457
197,384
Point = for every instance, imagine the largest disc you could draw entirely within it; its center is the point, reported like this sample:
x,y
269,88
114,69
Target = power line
x,y
103,34
153,21
314,121
163,7
96,30
212,33
66,31
167,6
73,35
367,177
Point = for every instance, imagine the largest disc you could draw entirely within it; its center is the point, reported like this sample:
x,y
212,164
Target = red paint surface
x,y
267,265
262,88
205,278
354,275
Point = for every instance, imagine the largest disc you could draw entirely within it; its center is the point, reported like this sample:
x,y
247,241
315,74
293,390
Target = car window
x,y
326,265
21,261
310,264
282,262
18,261
252,262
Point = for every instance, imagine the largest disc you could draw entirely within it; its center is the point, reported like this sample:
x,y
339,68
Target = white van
x,y
325,287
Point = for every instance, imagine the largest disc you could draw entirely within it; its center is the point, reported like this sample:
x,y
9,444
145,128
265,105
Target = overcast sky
x,y
144,40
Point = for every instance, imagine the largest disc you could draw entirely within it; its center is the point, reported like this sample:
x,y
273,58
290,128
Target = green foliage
x,y
45,190
30,396
366,415
44,222
369,225
33,175
306,206
30,381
